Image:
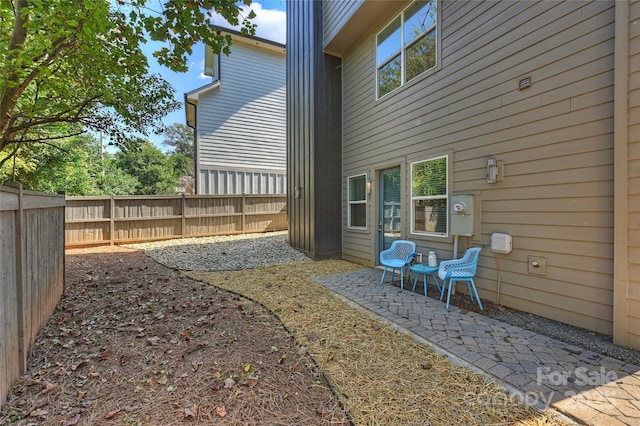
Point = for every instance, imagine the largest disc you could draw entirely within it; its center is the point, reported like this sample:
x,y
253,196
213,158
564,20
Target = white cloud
x,y
271,24
199,66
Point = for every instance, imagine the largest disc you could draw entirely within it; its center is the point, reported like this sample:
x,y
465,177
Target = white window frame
x,y
444,196
404,45
354,202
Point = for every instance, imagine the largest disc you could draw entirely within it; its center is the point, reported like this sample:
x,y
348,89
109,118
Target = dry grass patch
x,y
382,376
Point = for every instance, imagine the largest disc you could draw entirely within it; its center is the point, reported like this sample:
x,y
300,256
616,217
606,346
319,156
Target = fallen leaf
x,y
247,368
153,341
282,359
221,411
48,387
163,380
112,414
93,375
252,381
229,383
191,413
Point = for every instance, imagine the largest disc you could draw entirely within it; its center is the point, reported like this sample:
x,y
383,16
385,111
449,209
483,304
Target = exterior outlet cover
x,y
537,265
501,243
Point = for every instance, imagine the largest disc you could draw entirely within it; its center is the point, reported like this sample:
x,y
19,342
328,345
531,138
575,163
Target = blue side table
x,y
419,268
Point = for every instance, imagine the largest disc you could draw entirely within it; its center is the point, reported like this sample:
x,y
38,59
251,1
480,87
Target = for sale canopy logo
x,y
581,376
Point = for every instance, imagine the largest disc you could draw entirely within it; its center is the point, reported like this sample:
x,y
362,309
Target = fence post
x,y
20,274
112,225
183,222
244,209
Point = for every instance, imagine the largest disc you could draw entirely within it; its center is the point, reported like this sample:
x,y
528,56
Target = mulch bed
x,y
133,342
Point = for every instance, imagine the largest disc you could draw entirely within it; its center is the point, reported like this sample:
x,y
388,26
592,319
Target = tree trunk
x,y
10,91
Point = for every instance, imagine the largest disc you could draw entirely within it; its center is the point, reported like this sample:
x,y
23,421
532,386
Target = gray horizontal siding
x,y
555,138
629,311
243,123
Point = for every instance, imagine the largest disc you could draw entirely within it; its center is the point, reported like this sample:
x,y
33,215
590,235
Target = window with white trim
x,y
429,197
407,47
357,196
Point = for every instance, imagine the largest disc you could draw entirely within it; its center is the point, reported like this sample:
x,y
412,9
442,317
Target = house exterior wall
x,y
627,191
633,291
555,138
241,125
314,165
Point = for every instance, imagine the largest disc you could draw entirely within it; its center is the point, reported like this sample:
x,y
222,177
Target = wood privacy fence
x,y
31,273
129,219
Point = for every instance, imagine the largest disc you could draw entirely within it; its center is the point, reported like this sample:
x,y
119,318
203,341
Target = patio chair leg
x,y
384,272
473,285
444,285
435,279
449,294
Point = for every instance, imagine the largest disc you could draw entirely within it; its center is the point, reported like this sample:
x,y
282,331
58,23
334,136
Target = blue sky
x,y
271,25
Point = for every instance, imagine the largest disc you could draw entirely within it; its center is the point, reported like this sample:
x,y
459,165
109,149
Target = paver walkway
x,y
584,385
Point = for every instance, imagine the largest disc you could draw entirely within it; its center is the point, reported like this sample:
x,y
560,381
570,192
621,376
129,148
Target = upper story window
x,y
211,63
357,202
407,46
429,196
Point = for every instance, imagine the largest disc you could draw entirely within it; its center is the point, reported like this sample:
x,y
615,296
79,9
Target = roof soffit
x,y
368,15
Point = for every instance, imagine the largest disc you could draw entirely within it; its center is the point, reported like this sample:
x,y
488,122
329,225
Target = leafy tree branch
x,y
68,65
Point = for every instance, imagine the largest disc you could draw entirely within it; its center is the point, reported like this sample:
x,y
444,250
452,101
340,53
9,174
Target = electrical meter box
x,y
462,215
501,243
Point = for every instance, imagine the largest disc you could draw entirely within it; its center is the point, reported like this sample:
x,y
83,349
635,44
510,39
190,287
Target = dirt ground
x,y
133,342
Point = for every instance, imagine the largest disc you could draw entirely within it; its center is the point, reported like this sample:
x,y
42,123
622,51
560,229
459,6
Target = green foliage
x,y
116,181
150,167
67,66
54,168
79,166
180,137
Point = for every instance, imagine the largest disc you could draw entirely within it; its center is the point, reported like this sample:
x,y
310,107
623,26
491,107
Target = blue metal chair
x,y
463,269
399,255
